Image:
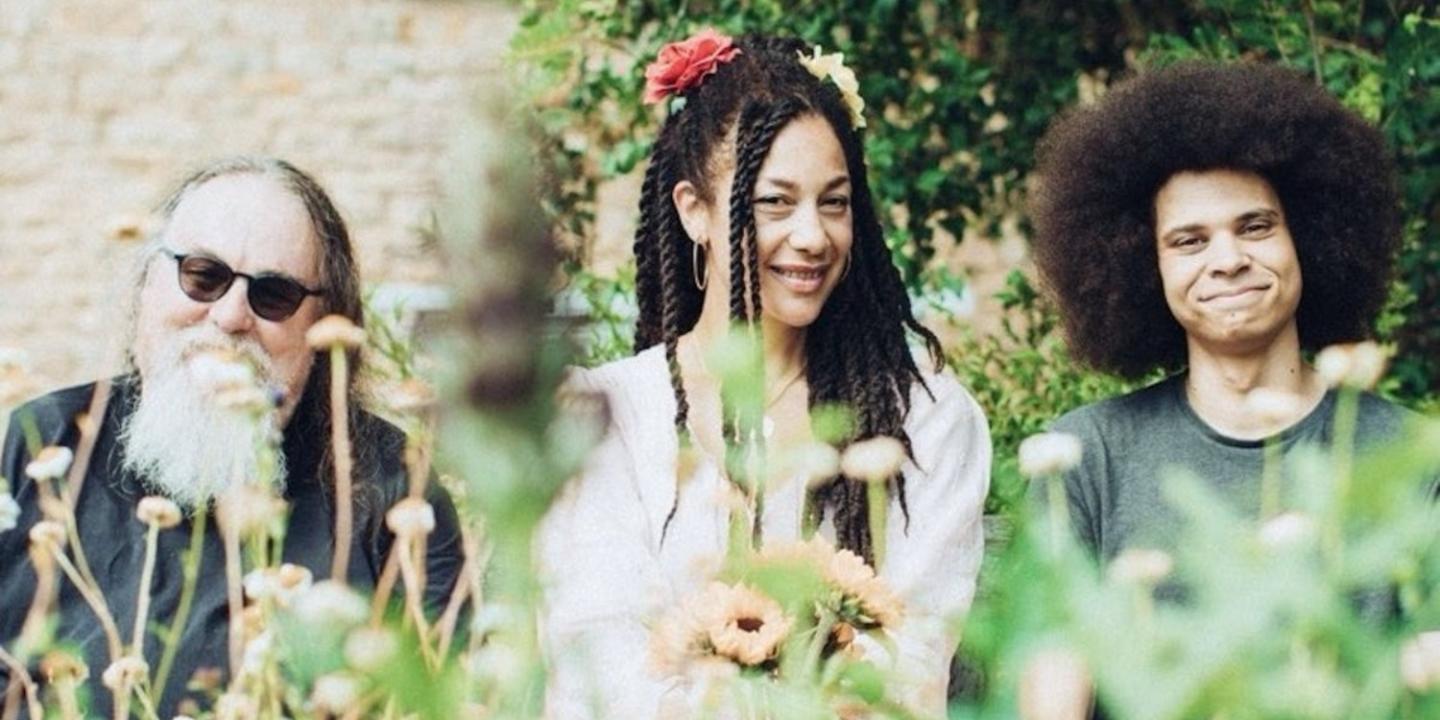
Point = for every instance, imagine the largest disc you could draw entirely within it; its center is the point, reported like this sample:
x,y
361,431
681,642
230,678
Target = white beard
x,y
179,441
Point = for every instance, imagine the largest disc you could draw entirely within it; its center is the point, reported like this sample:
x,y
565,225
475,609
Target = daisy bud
x,y
335,693
280,584
1141,566
411,517
158,511
125,673
876,459
9,512
1420,661
335,331
1356,365
249,509
1049,453
330,603
369,649
1274,407
50,464
48,533
1054,685
813,463
1286,530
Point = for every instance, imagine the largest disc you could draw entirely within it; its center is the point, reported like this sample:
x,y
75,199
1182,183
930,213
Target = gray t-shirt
x,y
1115,493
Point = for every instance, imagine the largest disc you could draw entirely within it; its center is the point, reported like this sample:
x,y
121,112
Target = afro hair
x,y
1099,167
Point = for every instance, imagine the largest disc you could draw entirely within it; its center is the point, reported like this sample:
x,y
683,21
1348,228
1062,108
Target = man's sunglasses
x,y
206,279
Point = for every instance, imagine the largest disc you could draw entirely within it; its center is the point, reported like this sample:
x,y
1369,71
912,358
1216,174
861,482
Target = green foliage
x,y
957,93
1023,379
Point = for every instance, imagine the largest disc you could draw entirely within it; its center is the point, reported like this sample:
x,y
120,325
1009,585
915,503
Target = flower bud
x,y
125,673
58,665
9,512
281,585
158,511
329,603
1141,566
50,464
876,459
1420,661
335,331
369,649
48,533
1286,530
1356,365
1054,685
1049,453
336,693
411,517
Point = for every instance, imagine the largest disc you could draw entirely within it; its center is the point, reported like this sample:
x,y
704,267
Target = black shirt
x,y
114,540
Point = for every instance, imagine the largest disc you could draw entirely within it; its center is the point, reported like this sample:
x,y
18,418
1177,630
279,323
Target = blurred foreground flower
x,y
1049,453
1356,365
158,511
51,463
9,510
48,534
335,331
1286,530
1273,407
281,585
875,459
1055,685
336,693
1420,662
410,517
1141,566
330,603
125,673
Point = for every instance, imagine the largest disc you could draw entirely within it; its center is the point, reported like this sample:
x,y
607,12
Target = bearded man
x,y
251,253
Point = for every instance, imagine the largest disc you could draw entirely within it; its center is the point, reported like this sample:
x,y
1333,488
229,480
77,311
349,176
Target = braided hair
x,y
856,350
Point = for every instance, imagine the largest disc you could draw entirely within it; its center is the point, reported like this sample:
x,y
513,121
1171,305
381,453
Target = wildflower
x,y
48,534
219,371
158,511
336,693
281,585
369,649
1420,661
125,673
9,511
875,460
411,517
1273,407
877,604
1357,365
335,331
1141,566
329,603
50,464
1049,453
1286,530
745,625
843,635
1054,685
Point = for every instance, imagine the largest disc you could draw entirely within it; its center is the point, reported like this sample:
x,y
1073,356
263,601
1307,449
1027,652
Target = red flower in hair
x,y
685,64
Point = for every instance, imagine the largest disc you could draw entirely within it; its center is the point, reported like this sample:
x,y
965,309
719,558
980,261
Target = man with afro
x,y
1216,222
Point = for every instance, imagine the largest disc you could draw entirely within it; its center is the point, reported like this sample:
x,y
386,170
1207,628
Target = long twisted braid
x,y
857,353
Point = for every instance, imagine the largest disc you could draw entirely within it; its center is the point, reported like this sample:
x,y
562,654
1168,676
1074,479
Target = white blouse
x,y
607,577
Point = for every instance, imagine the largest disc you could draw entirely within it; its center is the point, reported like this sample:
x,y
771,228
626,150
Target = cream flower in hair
x,y
832,66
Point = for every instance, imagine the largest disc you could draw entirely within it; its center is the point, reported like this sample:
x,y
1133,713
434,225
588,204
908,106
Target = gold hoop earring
x,y
700,281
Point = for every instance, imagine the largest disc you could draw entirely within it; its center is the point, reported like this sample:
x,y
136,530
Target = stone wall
x,y
105,103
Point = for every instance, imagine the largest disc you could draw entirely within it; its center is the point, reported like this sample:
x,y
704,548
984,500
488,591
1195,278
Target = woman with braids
x,y
756,210
1214,222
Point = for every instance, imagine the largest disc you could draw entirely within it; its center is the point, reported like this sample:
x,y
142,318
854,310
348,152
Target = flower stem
x,y
235,601
142,606
1270,480
25,683
879,500
95,600
340,441
1342,452
1059,512
824,624
190,572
